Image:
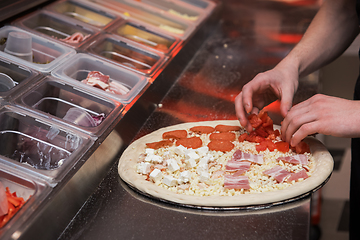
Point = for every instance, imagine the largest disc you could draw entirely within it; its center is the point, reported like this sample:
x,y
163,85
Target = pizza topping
x,y
238,166
221,145
143,167
156,175
151,157
302,147
75,38
225,136
14,203
191,142
202,129
160,144
170,181
176,134
296,159
236,182
185,176
3,201
278,173
226,128
172,165
102,81
297,176
282,146
224,161
243,156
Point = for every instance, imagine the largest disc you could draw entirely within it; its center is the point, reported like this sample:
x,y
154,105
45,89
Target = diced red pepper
x,y
302,147
266,120
254,120
261,146
282,146
261,132
265,144
270,145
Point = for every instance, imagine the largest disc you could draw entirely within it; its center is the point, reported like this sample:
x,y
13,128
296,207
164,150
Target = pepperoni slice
x,y
225,136
176,134
220,145
160,144
242,137
192,142
202,129
226,128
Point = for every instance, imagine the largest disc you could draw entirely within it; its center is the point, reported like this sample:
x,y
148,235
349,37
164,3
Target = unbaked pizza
x,y
218,163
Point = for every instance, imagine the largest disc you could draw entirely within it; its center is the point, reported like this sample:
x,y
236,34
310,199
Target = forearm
x,y
332,30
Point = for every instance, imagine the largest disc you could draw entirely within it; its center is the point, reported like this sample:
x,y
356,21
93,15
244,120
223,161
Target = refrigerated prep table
x,y
196,77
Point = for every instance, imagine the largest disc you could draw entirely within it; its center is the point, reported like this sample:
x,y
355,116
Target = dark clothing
x,y
355,178
355,167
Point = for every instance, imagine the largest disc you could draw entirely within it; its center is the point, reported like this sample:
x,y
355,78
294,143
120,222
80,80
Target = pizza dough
x,y
127,170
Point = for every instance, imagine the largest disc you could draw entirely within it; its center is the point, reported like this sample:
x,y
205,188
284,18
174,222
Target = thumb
x,y
286,104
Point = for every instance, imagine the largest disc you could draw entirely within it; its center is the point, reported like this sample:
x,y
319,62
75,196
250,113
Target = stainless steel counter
x,y
250,37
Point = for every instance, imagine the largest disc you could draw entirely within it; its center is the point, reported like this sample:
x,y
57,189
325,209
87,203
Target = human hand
x,y
278,83
321,114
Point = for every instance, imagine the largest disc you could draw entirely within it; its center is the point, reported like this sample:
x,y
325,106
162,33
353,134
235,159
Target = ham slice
x,y
101,81
239,166
75,38
236,182
3,201
296,159
278,173
296,176
218,174
243,156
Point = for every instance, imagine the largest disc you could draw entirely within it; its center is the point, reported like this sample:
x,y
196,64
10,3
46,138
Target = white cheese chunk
x,y
202,150
153,158
203,165
191,163
172,165
192,154
209,157
185,176
204,176
169,181
150,151
143,167
180,150
156,175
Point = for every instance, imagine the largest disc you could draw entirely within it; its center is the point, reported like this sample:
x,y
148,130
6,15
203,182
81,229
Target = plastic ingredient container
x,y
53,98
83,12
206,5
47,54
39,147
164,22
144,35
20,75
175,8
56,27
32,190
79,66
127,54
